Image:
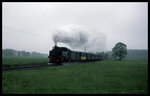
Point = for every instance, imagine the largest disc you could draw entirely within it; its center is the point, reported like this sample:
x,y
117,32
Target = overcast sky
x,y
31,26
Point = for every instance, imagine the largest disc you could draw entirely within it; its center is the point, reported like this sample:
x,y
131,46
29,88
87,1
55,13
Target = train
x,y
59,55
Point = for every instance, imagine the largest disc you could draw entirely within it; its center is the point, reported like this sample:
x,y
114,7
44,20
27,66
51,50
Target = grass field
x,y
103,77
23,61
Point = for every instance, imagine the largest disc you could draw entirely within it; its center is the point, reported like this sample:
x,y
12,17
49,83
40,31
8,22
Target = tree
x,y
106,56
119,51
9,52
102,55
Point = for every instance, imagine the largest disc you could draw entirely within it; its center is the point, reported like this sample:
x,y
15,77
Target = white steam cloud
x,y
78,38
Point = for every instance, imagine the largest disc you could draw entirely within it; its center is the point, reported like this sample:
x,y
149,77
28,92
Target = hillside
x,y
134,54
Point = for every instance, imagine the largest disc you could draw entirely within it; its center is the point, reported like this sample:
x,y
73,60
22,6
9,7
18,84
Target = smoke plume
x,y
79,38
73,35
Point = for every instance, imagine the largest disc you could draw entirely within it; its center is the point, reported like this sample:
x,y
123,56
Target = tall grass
x,y
104,77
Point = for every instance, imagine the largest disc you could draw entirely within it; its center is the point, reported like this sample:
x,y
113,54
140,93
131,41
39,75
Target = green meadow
x,y
101,77
22,61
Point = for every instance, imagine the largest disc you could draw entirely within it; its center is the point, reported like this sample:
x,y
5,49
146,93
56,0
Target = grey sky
x,y
30,26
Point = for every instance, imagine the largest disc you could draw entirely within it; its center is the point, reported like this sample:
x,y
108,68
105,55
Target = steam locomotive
x,y
59,55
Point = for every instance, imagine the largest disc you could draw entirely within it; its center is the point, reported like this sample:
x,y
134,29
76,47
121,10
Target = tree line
x,y
120,51
12,52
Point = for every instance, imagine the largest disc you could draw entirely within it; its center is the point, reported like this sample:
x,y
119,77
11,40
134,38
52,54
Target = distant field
x,y
103,77
22,61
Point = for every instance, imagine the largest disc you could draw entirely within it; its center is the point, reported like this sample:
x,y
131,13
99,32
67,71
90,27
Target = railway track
x,y
31,67
26,67
36,66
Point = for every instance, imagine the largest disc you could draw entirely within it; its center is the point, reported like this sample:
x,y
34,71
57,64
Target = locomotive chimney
x,y
55,43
